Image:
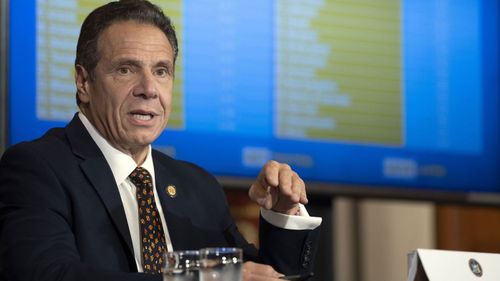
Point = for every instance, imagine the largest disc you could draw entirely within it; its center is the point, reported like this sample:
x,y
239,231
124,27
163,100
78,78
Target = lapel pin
x,y
171,191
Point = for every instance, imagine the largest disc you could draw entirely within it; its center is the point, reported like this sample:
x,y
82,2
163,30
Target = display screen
x,y
399,93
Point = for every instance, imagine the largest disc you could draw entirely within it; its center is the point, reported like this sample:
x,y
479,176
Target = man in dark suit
x,y
94,201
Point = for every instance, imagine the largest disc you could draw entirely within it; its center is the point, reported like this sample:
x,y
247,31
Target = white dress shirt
x,y
123,164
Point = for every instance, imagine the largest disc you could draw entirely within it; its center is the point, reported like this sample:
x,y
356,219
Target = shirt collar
x,y
121,164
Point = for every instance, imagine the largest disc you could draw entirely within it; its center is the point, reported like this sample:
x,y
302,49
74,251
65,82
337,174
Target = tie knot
x,y
140,177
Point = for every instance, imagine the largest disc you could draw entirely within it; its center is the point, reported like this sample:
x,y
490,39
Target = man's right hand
x,y
259,272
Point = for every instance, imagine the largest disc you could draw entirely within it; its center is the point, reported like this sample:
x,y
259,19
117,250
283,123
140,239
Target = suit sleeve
x,y
288,251
36,238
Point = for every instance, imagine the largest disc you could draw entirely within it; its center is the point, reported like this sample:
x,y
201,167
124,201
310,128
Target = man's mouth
x,y
142,116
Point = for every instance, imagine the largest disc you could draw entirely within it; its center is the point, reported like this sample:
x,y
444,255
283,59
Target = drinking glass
x,y
181,265
220,264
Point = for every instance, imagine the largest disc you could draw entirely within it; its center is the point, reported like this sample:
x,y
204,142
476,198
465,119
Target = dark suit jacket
x,y
61,216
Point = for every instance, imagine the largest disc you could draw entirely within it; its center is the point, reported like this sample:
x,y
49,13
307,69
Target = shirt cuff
x,y
300,222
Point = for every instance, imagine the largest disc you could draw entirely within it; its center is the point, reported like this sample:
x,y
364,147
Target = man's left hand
x,y
278,188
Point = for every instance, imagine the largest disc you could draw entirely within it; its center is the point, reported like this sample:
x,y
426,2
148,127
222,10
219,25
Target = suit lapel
x,y
99,173
174,208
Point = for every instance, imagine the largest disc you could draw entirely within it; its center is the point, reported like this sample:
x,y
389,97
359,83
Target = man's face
x,y
129,99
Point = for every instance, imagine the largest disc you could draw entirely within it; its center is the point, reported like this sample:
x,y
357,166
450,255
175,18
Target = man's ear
x,y
82,80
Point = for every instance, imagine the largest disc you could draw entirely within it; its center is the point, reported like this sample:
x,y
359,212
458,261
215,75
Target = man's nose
x,y
146,86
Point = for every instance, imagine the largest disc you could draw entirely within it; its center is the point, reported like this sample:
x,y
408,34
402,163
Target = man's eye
x,y
123,70
162,72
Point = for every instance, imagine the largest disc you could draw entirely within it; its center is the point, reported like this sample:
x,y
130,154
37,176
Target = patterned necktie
x,y
152,236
